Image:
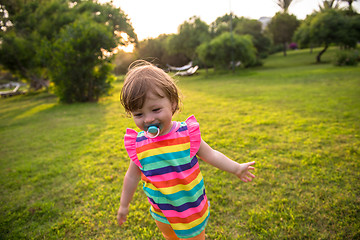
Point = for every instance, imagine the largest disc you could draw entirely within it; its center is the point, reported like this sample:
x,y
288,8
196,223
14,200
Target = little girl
x,y
164,154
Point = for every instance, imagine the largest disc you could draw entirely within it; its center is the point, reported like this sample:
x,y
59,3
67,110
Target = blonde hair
x,y
144,77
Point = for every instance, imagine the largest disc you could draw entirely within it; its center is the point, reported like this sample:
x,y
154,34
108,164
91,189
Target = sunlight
x,y
129,48
35,110
125,45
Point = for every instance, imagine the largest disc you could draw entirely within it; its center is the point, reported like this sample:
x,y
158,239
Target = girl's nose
x,y
149,119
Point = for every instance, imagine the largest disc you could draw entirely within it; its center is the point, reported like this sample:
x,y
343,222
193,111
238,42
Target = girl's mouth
x,y
153,130
154,125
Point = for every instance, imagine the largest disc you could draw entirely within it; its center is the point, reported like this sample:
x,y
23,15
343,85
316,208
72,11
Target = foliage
x,y
284,4
242,26
253,27
152,49
33,47
205,54
336,4
222,24
330,26
350,9
282,27
122,61
326,26
293,46
190,35
62,166
302,33
77,67
156,51
21,49
225,48
346,58
329,4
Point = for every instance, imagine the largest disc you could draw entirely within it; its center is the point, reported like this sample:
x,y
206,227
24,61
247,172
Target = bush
x,y
346,58
225,48
275,48
79,68
293,46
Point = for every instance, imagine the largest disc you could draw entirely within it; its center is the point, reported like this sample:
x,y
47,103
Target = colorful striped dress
x,y
172,179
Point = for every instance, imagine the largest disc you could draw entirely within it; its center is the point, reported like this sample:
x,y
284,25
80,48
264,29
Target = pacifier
x,y
153,131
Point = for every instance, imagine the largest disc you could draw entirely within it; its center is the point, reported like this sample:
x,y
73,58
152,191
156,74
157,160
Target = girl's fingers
x,y
249,179
251,175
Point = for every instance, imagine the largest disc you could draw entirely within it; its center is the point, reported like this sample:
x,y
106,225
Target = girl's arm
x,y
219,160
131,180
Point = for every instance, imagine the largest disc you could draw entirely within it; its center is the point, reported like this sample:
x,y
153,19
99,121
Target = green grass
x,y
62,166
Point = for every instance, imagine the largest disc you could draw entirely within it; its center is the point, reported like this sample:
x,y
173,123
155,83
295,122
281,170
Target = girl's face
x,y
156,110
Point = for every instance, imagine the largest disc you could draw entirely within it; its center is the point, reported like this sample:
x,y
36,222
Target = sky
x,y
150,18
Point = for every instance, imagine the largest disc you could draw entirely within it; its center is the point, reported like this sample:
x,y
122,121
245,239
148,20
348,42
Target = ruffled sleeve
x,y
194,134
130,145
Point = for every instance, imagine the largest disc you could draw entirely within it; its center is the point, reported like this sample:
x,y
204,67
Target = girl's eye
x,y
156,109
137,114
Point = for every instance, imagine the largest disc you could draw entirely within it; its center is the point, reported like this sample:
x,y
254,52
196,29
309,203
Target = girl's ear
x,y
174,107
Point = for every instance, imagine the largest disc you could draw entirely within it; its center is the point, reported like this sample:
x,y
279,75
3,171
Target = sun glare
x,y
128,47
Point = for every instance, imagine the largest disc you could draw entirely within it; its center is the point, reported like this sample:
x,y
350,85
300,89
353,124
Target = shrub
x,y
225,48
79,68
293,46
346,58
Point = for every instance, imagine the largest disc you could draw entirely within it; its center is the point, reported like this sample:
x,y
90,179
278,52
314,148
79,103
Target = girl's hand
x,y
122,215
243,173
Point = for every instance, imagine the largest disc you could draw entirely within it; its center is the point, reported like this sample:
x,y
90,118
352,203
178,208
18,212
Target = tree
x,y
284,4
282,27
253,27
21,48
151,48
330,26
122,61
242,26
44,32
77,67
190,35
333,26
350,9
222,24
328,4
218,52
302,33
155,50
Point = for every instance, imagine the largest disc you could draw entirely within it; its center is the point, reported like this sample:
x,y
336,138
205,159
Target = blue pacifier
x,y
153,131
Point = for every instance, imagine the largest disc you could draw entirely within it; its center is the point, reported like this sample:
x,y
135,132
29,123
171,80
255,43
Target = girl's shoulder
x,y
194,134
130,140
191,121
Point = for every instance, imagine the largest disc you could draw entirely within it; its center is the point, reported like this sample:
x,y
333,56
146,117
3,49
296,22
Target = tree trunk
x,y
38,83
318,57
284,49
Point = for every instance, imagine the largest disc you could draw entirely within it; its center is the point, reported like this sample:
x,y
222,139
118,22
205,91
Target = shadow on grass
x,y
41,145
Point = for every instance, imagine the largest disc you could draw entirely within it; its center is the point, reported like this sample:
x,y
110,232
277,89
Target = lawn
x,y
62,166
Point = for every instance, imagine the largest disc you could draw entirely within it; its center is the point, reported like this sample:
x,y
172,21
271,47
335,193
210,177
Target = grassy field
x,y
62,166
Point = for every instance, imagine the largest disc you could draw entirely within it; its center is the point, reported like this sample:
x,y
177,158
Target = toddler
x,y
164,155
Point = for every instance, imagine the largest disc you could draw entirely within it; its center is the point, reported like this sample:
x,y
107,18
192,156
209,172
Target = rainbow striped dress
x,y
172,179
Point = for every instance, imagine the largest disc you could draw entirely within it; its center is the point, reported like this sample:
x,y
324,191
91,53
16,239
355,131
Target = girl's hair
x,y
143,77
